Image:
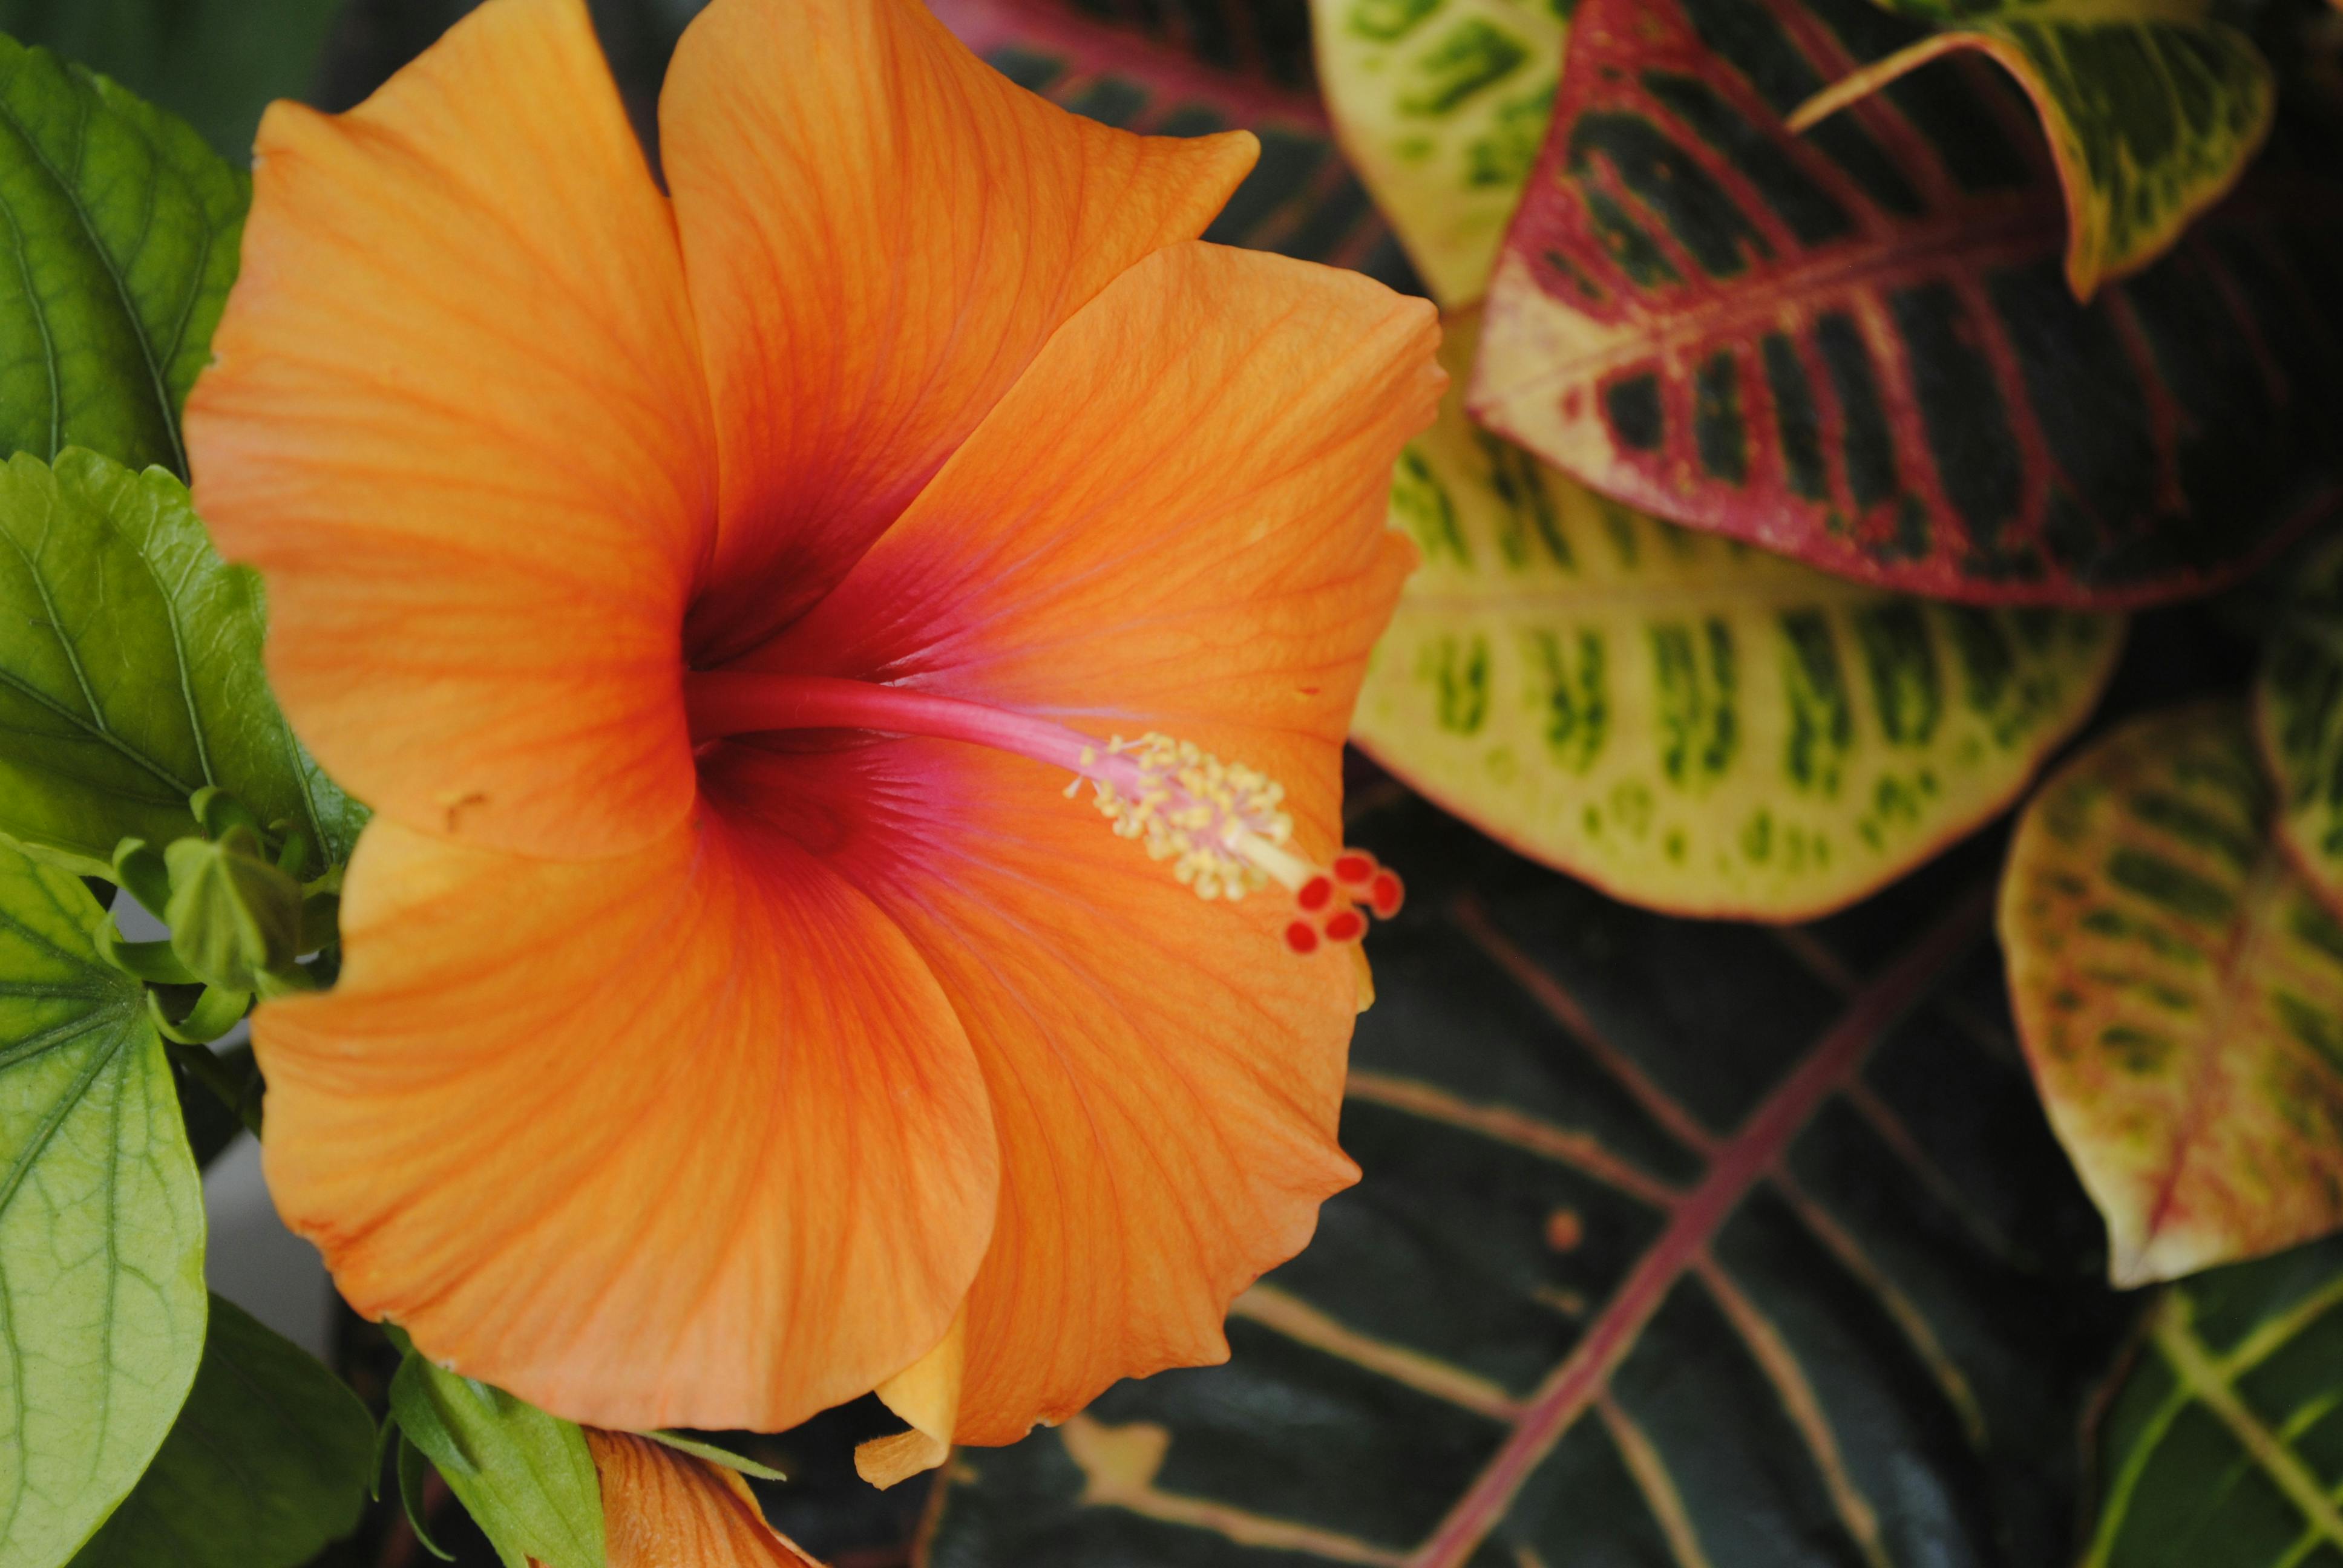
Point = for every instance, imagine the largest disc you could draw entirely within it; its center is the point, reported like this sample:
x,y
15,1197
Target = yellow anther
x,y
1219,825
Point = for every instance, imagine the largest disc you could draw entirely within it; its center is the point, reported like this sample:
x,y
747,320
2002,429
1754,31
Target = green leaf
x,y
2180,994
526,1476
2299,720
125,228
266,1462
1687,722
130,672
1440,104
2153,110
216,62
2218,1447
101,1225
699,1448
234,916
1677,1243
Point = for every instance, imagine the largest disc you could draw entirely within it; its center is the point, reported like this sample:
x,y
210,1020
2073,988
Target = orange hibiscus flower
x,y
712,593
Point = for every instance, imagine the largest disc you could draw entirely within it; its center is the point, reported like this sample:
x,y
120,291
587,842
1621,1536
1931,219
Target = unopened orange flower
x,y
715,594
662,1509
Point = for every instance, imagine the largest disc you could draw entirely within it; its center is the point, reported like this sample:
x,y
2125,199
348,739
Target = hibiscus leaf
x,y
1856,345
101,1225
2298,719
1686,721
266,1462
2180,992
130,672
1215,66
525,1477
1441,104
125,228
1677,1241
2152,111
2218,1450
216,63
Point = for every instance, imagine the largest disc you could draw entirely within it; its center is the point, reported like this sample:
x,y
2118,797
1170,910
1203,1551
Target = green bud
x,y
234,916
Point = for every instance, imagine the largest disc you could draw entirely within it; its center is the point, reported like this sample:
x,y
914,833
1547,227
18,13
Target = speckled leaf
x,y
130,671
1440,104
2298,719
1857,346
101,1225
2152,110
1204,65
269,1459
2180,995
1678,1243
124,228
1687,722
2222,1446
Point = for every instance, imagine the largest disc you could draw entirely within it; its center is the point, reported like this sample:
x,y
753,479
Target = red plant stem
x,y
1739,1163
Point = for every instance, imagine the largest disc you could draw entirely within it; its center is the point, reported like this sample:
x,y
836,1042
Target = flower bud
x,y
234,916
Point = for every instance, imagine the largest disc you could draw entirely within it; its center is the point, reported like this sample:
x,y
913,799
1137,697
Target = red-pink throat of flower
x,y
1220,825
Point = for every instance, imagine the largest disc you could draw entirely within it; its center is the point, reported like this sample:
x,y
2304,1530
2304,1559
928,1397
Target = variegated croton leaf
x,y
2152,108
2298,719
2218,1448
1856,345
1684,721
1678,1243
1440,104
1188,68
2179,991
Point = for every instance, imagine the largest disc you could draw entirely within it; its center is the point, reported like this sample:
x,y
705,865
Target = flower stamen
x,y
1221,826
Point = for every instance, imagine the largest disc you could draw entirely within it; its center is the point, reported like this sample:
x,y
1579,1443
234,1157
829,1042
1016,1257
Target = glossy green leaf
x,y
1677,1243
1855,346
1440,104
2299,720
525,1476
125,228
214,63
2180,994
101,1225
130,671
268,1461
2220,1447
1687,722
2153,110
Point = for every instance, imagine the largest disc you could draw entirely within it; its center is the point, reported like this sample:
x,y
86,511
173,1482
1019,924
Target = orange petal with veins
x,y
881,231
458,421
688,1136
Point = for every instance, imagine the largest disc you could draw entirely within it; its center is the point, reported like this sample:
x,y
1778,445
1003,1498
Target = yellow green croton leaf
x,y
1440,104
2179,991
2152,108
2298,719
1686,722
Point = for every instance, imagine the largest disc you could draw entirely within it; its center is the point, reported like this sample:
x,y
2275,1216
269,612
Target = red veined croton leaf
x,y
1679,1242
1857,346
1188,68
2179,989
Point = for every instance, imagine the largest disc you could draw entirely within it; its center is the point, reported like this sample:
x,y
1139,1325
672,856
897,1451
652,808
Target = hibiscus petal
x,y
662,1509
880,231
1204,553
685,1137
457,420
